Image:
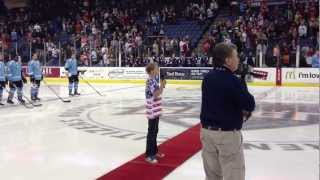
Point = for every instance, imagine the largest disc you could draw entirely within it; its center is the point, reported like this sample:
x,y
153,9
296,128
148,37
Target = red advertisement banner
x,y
53,72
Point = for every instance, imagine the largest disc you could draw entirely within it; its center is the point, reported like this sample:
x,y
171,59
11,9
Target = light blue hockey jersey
x,y
71,66
34,69
2,71
14,71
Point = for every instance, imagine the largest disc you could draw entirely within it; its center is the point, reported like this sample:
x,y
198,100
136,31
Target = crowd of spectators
x,y
201,12
275,31
172,47
169,61
100,30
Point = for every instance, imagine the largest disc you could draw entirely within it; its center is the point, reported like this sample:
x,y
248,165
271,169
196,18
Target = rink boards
x,y
183,75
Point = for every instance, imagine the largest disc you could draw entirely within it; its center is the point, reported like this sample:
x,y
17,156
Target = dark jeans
x,y
152,148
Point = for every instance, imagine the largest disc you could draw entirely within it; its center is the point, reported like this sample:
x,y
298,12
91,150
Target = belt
x,y
214,128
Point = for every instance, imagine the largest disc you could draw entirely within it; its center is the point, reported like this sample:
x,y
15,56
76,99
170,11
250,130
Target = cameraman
x,y
226,104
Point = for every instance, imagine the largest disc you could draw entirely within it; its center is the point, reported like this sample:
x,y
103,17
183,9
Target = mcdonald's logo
x,y
290,75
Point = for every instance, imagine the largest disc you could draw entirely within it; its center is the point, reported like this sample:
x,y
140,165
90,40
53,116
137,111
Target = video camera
x,y
246,71
243,71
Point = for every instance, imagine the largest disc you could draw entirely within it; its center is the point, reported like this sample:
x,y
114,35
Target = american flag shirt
x,y
153,104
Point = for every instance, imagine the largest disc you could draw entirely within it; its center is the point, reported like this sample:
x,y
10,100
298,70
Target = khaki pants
x,y
222,155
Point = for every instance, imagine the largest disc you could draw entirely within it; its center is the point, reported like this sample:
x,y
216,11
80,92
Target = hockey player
x,y
35,73
15,78
2,77
73,75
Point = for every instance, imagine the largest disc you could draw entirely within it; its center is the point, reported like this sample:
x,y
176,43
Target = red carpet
x,y
177,150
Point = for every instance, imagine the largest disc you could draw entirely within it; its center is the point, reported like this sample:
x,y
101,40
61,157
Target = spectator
x,y
210,13
261,48
303,31
316,60
14,35
155,49
94,56
276,55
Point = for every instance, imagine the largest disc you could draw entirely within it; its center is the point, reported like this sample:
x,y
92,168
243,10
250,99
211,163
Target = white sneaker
x,y
152,160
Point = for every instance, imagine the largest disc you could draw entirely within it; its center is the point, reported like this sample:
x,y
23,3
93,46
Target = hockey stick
x,y
24,104
31,102
87,82
55,93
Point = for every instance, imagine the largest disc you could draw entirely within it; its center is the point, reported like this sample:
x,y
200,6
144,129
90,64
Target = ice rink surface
x,y
95,134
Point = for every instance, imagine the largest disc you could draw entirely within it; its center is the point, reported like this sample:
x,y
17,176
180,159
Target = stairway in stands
x,y
223,15
185,28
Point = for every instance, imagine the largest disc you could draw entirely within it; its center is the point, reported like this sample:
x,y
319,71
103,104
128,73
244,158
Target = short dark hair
x,y
222,51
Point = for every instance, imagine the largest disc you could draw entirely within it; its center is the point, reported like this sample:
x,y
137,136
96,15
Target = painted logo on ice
x,y
124,118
